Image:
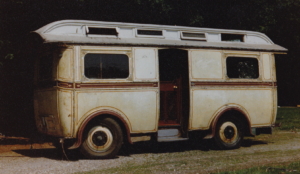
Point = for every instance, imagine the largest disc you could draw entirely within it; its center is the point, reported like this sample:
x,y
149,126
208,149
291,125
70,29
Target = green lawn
x,y
274,169
186,161
289,118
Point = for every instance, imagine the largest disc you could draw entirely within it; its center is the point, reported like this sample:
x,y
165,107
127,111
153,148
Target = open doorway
x,y
174,87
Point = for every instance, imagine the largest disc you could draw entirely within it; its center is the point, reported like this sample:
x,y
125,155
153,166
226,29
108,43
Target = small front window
x,y
242,67
106,66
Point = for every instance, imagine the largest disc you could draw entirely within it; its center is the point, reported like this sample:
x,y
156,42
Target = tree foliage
x,y
279,19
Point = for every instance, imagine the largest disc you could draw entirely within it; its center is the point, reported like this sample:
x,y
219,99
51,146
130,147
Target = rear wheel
x,y
229,133
102,140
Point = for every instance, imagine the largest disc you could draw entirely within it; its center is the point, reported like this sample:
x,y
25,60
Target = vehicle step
x,y
169,139
168,132
167,135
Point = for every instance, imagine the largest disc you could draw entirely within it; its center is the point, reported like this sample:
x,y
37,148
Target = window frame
x,y
101,35
243,55
149,36
84,52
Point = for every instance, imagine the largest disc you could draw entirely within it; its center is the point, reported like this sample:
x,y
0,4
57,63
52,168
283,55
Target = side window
x,y
242,67
106,66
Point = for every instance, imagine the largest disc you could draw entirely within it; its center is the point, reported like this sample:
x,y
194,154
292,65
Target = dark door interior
x,y
174,87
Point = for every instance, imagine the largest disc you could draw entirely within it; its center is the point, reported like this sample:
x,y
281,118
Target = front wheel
x,y
102,140
229,133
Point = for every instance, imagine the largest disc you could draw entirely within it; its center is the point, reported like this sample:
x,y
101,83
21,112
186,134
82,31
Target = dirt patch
x,y
16,143
145,157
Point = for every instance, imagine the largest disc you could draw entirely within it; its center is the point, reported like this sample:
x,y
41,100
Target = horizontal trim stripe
x,y
106,85
234,84
150,84
65,84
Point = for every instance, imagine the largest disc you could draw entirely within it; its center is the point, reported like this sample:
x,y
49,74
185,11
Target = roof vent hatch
x,y
232,37
101,31
193,36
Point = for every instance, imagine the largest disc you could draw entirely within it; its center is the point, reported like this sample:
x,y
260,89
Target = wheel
x,y
102,140
229,133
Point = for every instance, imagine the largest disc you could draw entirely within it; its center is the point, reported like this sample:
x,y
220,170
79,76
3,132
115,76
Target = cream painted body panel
x,y
145,64
206,65
139,108
267,68
258,102
65,111
65,66
207,103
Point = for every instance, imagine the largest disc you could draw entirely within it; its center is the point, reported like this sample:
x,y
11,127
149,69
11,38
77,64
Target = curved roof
x,y
118,33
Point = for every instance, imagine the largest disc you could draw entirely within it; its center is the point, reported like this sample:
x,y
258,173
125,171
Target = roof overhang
x,y
75,32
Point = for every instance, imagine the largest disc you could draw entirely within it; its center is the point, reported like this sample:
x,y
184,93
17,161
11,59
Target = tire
x,y
229,133
102,140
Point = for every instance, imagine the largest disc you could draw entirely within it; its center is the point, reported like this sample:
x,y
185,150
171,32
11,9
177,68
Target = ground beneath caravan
x,y
18,155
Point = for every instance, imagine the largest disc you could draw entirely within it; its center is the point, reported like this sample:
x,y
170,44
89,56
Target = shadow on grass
x,y
137,148
165,147
250,142
180,146
50,153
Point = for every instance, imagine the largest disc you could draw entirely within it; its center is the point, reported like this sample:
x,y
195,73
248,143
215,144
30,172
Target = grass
x,y
246,160
274,169
289,118
243,160
228,163
290,121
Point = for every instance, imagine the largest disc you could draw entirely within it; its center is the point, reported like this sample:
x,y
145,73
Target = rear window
x,y
106,66
242,67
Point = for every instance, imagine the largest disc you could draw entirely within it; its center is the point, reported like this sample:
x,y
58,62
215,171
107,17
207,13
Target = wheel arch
x,y
100,114
236,110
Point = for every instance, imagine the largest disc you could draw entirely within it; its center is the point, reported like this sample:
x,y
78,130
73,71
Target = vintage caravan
x,y
100,84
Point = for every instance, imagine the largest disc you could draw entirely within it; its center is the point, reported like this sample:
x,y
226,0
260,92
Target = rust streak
x,y
65,85
234,84
115,85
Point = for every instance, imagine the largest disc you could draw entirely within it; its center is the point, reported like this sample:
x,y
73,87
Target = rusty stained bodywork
x,y
134,101
79,87
136,85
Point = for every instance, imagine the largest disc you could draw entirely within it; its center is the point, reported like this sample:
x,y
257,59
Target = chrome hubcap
x,y
99,139
228,132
